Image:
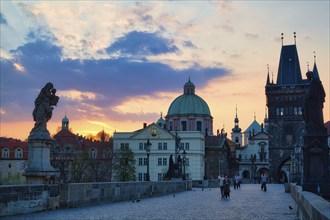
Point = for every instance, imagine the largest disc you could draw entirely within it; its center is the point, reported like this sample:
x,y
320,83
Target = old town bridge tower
x,y
285,100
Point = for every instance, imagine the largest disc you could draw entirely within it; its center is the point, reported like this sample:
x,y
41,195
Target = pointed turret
x,y
268,80
315,71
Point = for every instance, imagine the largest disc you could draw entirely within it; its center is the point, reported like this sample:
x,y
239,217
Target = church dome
x,y
189,103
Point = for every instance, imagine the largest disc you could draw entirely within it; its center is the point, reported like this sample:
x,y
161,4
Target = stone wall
x,y
79,194
19,199
310,205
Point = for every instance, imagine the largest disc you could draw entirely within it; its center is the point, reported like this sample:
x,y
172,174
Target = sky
x,y
118,64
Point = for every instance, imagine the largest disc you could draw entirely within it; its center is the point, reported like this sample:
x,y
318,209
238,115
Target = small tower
x,y
161,121
236,134
65,123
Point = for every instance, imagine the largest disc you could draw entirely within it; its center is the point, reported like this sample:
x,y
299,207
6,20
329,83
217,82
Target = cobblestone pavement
x,y
249,202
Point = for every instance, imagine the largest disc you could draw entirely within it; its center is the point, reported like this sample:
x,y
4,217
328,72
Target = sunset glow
x,y
118,64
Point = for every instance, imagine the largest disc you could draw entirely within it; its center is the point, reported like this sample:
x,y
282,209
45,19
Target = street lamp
x,y
148,154
184,164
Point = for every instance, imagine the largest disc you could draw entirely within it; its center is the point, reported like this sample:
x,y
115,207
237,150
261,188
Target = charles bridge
x,y
159,200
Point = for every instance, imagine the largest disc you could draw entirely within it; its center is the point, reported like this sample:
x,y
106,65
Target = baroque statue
x,y
44,103
313,106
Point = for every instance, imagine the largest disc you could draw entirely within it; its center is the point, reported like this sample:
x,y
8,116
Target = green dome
x,y
65,120
189,104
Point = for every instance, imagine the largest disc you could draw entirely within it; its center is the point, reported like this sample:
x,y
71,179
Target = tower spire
x,y
294,35
268,81
282,38
314,57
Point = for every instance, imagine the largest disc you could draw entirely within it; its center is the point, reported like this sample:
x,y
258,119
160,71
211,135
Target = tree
x,y
80,167
124,165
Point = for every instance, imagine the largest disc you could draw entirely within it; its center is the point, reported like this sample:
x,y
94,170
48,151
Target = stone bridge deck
x,y
249,202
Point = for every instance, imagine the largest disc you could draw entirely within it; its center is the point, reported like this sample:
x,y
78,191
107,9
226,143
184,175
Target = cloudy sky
x,y
117,64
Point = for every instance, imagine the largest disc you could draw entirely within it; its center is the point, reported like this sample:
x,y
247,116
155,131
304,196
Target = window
x,y
181,146
145,177
5,153
164,146
160,146
18,153
160,176
164,161
93,153
140,161
159,161
187,162
140,176
18,165
145,161
199,126
297,110
186,146
141,145
124,146
279,111
183,125
236,140
171,126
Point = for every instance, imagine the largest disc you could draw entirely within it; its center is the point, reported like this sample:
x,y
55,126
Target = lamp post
x,y
184,164
148,154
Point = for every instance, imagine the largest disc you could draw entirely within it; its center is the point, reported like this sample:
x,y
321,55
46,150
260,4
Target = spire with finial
x,y
294,35
307,66
272,78
236,123
254,115
268,81
282,38
315,71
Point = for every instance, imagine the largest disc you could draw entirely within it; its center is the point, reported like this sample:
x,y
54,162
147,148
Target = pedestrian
x,y
237,183
263,181
226,187
221,178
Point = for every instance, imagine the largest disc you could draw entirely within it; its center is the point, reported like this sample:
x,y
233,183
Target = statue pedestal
x,y
39,169
316,161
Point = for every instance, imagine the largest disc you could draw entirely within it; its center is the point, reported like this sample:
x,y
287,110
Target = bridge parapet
x,y
310,205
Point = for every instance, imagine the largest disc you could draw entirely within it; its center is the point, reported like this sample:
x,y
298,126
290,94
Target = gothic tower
x,y
285,100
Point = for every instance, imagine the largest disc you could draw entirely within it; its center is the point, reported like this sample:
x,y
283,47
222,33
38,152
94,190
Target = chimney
x,y
144,125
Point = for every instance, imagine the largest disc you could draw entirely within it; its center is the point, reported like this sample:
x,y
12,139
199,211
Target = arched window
x,y
5,153
18,153
93,153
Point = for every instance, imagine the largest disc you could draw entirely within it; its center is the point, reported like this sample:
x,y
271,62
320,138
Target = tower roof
x,y
289,68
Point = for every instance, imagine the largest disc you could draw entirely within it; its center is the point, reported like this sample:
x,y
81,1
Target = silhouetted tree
x,y
124,165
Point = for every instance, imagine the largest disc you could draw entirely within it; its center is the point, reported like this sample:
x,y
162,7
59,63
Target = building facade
x,y
163,144
13,157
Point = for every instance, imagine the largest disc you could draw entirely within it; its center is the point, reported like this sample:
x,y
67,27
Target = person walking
x,y
221,178
226,187
263,182
237,183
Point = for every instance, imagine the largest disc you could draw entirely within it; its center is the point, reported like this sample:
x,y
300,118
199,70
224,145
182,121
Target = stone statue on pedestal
x,y
39,169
